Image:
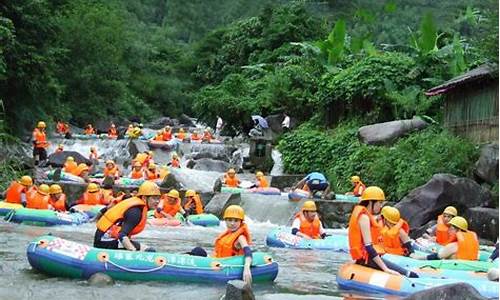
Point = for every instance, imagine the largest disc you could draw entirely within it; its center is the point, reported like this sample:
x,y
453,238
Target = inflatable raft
x,y
355,277
430,247
90,210
164,222
206,220
45,217
6,207
298,194
166,145
449,264
64,176
261,191
282,237
63,258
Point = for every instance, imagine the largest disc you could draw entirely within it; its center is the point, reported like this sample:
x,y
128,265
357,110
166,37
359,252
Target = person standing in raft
x,y
314,182
235,241
395,232
40,143
307,223
440,233
119,223
365,242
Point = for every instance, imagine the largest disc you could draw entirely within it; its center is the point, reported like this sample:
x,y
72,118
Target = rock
x,y
334,213
18,152
483,221
207,164
285,181
57,160
137,146
218,185
170,182
493,274
73,190
208,154
186,121
219,202
428,201
238,290
486,167
419,231
100,279
274,122
160,123
102,126
462,291
190,163
388,132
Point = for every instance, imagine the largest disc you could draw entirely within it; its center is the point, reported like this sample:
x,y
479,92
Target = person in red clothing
x,y
167,133
57,198
151,173
89,130
207,136
112,132
175,162
40,143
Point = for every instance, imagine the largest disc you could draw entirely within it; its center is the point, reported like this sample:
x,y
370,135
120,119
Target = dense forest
x,y
84,60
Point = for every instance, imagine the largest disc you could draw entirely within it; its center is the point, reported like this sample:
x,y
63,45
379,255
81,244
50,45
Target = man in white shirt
x,y
286,123
218,127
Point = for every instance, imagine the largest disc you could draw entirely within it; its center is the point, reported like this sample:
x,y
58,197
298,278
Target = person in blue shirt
x,y
314,182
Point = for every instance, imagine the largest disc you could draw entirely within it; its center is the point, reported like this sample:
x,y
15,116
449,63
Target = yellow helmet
x,y
109,161
83,167
234,211
231,171
167,127
181,130
70,158
60,146
355,179
391,214
174,194
150,153
92,188
137,164
26,180
44,189
450,210
460,223
41,124
259,174
149,188
93,148
190,193
55,189
151,166
309,206
174,155
373,193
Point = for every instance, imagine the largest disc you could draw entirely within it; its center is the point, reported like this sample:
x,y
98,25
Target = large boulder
x,y
100,279
207,164
161,122
426,202
73,190
186,121
238,290
486,168
216,155
483,221
334,213
285,181
388,132
58,159
462,291
170,182
137,146
274,122
220,201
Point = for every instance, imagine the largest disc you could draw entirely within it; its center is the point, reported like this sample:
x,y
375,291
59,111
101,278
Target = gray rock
x,y
207,164
219,202
137,146
334,213
428,201
58,159
212,155
486,167
218,185
160,123
185,120
170,182
483,221
190,163
388,132
419,231
493,274
100,279
285,181
238,290
18,152
462,291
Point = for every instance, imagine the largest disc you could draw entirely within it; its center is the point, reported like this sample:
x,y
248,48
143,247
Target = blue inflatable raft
x,y
282,237
45,217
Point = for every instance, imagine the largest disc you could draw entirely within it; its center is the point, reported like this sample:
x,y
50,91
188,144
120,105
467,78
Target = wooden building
x,y
471,104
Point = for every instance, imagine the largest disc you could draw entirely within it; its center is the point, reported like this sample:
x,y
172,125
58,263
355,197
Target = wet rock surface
x,y
388,132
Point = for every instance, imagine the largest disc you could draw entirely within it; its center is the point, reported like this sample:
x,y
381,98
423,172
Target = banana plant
x,y
425,41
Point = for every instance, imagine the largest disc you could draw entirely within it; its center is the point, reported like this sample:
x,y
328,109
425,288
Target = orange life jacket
x,y
356,244
225,242
36,200
358,189
171,209
14,192
151,175
231,182
198,206
443,236
40,139
113,172
59,204
309,228
468,245
113,216
175,163
92,198
136,174
89,131
141,157
181,135
195,137
207,136
391,240
167,135
112,132
158,137
262,182
70,167
62,128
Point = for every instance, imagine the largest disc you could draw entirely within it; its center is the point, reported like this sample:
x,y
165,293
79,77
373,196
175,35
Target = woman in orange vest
x,y
170,205
261,181
193,204
70,165
39,199
465,245
440,233
119,223
207,136
40,143
112,132
167,133
159,136
18,190
175,161
307,223
230,179
111,169
57,198
92,196
195,136
359,186
60,148
395,232
137,172
89,130
151,173
181,135
365,241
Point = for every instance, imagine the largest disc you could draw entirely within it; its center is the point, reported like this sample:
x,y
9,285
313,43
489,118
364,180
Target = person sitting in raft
x,y
175,162
111,169
92,196
181,135
60,148
119,223
261,181
57,198
112,131
207,136
365,244
395,232
137,172
314,182
170,205
18,190
464,246
39,199
307,224
167,133
70,165
89,130
440,232
230,179
159,136
359,186
195,136
193,204
62,128
235,241
148,159
151,173
82,170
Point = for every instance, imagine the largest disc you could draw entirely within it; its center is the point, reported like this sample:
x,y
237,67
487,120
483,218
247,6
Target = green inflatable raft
x,y
449,264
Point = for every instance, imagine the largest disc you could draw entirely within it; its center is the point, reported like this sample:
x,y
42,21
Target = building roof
x,y
472,75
